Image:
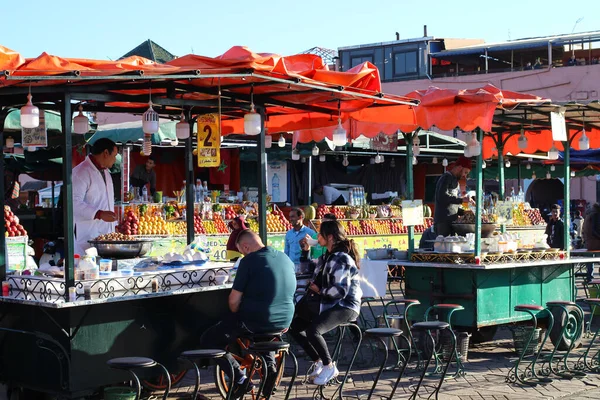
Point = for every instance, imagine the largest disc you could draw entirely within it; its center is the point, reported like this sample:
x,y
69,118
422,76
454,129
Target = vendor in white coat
x,y
94,195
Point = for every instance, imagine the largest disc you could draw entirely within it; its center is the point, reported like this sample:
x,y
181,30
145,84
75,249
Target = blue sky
x,y
108,29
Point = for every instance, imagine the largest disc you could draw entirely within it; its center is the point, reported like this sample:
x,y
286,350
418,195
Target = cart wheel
x,y
572,320
483,334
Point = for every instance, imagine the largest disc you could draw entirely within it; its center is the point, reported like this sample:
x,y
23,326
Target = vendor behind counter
x,y
144,174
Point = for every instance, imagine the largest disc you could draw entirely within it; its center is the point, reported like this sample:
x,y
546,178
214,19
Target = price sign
x,y
504,211
412,212
35,137
209,140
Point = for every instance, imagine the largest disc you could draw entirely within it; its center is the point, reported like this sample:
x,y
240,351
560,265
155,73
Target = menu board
x,y
35,137
504,211
209,140
16,251
412,212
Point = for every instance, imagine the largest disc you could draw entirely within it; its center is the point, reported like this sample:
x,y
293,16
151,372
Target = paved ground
x,y
487,367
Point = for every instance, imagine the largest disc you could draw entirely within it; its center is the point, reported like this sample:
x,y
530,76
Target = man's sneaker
x,y
328,373
314,370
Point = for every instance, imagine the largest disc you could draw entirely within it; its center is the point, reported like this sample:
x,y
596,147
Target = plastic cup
x,y
72,294
105,265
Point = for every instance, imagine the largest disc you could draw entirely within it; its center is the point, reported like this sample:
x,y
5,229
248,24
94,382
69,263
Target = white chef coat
x,y
91,193
331,194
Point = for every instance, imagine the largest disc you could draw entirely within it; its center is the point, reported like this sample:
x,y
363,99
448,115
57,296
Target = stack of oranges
x,y
152,225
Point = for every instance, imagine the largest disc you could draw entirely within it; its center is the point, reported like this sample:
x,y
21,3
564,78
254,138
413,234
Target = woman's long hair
x,y
340,240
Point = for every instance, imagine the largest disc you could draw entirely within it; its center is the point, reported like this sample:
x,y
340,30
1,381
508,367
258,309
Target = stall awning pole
x,y
189,182
410,192
567,198
309,188
67,187
478,196
501,188
3,260
262,179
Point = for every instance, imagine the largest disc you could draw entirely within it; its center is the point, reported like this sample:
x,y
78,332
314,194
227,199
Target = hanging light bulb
x,y
483,164
528,166
315,150
552,168
252,119
548,176
182,128
81,123
281,141
522,141
572,174
553,153
268,141
377,158
339,133
150,120
533,175
414,161
345,161
584,141
393,163
507,163
174,142
322,158
445,162
30,114
295,155
10,142
147,146
435,160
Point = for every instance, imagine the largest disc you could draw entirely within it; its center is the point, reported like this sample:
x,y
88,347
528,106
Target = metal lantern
x,y
30,114
81,123
150,120
182,128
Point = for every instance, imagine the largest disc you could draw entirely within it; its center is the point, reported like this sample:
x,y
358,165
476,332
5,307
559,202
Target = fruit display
x,y
252,224
130,223
198,225
381,227
114,237
277,222
12,226
469,218
233,211
535,216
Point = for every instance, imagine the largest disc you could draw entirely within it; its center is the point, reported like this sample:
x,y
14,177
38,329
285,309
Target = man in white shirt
x,y
331,195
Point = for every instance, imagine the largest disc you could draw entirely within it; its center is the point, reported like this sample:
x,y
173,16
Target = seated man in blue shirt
x,y
297,233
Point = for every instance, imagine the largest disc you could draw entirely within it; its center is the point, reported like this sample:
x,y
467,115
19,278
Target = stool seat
x,y
384,332
202,353
534,307
431,325
448,306
269,346
560,303
131,362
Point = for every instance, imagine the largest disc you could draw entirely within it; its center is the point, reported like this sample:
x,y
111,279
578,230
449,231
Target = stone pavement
x,y
487,366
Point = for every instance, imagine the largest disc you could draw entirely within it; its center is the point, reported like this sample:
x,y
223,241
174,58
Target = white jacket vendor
x,y
94,195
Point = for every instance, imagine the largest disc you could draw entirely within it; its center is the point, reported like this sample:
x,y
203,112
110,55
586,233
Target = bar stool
x,y
260,349
573,329
382,334
408,303
132,363
192,356
596,284
427,327
591,364
444,312
513,374
357,333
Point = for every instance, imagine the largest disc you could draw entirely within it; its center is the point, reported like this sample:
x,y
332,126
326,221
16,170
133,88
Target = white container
x,y
105,265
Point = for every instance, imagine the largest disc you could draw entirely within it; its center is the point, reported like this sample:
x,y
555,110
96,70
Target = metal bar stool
x,y
586,362
192,356
337,352
571,331
427,327
596,284
260,349
444,313
382,334
132,363
408,303
529,374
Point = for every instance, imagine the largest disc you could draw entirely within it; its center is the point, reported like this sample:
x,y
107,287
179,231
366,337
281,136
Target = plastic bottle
x,y
199,191
144,194
275,195
521,195
512,194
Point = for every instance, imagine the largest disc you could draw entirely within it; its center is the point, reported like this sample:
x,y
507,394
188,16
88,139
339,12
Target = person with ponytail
x,y
332,298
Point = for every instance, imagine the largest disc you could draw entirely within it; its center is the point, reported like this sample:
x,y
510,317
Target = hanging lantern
x,y
281,141
339,135
483,164
303,160
315,150
295,155
445,162
268,141
345,161
322,158
10,142
533,175
182,128
30,114
553,153
150,120
81,123
528,166
435,160
147,145
252,122
522,141
572,174
552,168
584,141
548,176
507,163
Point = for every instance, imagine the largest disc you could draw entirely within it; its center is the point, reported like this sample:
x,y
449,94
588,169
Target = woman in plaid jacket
x,y
336,285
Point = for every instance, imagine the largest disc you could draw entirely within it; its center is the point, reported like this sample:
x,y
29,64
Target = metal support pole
x,y
410,192
262,179
549,54
67,187
501,188
567,199
3,259
189,182
486,61
479,196
309,189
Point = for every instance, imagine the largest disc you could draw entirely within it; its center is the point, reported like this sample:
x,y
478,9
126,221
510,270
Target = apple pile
x,y
535,216
11,224
130,224
339,212
396,227
198,225
230,212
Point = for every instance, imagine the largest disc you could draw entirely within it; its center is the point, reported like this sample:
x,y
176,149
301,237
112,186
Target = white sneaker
x,y
328,373
314,370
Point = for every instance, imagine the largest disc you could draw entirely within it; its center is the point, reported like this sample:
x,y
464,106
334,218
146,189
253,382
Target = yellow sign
x,y
209,140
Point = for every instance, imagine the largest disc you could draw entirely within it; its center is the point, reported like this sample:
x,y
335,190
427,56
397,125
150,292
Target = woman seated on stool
x,y
332,298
